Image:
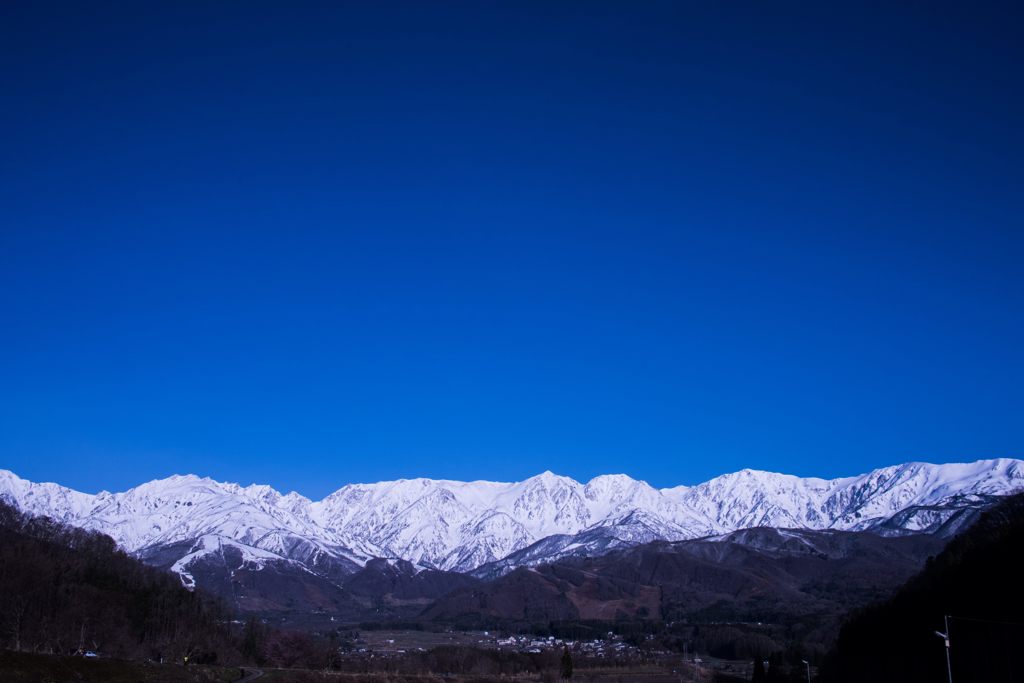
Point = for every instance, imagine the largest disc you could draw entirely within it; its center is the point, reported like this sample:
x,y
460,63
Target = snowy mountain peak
x,y
461,525
549,479
613,481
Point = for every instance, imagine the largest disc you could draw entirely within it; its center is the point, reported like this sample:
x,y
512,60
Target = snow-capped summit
x,y
460,526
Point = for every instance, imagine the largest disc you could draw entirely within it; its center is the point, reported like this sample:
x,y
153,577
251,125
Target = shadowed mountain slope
x,y
768,575
977,581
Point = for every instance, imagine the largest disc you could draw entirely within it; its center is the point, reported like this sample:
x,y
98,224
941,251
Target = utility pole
x,y
945,638
808,665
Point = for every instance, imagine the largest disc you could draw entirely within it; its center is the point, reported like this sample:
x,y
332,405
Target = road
x,y
250,675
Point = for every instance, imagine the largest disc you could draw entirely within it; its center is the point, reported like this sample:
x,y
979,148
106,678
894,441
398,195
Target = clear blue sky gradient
x,y
308,244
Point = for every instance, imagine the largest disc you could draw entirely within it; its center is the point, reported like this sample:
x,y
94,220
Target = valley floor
x,y
22,667
26,667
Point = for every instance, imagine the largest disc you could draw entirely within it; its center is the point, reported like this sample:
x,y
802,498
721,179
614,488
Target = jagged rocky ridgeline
x,y
489,528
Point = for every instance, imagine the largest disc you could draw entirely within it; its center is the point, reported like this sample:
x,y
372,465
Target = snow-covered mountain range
x,y
491,527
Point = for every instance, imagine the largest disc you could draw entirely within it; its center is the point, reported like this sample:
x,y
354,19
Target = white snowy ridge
x,y
460,526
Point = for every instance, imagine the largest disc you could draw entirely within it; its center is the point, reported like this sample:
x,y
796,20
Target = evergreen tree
x,y
759,674
566,663
251,641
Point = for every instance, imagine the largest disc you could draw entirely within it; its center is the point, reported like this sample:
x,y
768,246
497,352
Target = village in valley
x,y
396,643
377,650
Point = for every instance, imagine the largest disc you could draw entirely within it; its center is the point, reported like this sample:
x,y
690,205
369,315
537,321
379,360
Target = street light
x,y
945,638
808,665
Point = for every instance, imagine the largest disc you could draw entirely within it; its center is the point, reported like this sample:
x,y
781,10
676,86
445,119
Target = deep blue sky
x,y
309,244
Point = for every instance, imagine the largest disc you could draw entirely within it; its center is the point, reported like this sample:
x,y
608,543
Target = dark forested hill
x,y
796,578
977,581
63,589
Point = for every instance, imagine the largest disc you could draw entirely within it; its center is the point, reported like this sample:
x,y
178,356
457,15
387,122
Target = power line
x,y
988,621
